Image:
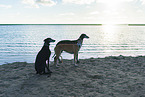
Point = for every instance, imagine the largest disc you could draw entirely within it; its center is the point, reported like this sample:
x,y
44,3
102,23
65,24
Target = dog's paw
x,y
57,65
49,72
78,62
76,65
60,62
49,75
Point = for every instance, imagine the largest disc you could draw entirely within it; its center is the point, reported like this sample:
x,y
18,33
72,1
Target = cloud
x,y
46,2
90,18
94,13
143,2
140,11
112,1
5,6
67,14
37,3
78,1
31,3
96,1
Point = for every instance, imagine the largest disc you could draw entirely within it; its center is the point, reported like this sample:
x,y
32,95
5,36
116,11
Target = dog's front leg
x,y
75,56
47,66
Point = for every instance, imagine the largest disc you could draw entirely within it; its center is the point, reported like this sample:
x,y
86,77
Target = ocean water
x,y
21,43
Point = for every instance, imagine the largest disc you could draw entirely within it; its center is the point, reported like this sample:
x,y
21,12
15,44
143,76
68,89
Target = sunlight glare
x,y
109,28
110,33
111,11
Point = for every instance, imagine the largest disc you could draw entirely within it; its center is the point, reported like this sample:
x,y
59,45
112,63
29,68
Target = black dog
x,y
42,56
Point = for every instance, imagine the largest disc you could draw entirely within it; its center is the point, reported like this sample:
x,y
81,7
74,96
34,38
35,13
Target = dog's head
x,y
83,36
48,40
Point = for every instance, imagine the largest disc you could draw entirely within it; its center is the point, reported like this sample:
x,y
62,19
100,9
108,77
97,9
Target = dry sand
x,y
102,77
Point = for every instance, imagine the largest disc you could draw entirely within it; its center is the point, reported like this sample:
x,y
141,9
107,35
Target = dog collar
x,y
79,44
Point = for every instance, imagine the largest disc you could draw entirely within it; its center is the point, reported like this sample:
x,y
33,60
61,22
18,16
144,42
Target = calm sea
x,y
21,43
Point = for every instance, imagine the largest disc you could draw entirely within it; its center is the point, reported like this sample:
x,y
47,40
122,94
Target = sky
x,y
72,11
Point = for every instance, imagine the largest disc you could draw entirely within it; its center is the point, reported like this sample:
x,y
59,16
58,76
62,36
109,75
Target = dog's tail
x,y
53,56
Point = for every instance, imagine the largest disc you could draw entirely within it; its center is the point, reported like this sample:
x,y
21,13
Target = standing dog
x,y
42,56
70,46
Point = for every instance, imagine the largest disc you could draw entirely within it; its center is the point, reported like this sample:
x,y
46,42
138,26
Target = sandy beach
x,y
95,77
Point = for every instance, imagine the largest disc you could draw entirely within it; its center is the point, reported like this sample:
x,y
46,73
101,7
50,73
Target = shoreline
x,y
5,63
117,76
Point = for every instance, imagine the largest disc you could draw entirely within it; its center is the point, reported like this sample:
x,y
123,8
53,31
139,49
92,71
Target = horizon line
x,y
78,24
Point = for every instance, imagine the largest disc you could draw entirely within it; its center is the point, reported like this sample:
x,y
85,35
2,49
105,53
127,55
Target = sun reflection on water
x,y
109,33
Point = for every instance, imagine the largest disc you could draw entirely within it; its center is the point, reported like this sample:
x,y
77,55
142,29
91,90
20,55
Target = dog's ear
x,y
46,39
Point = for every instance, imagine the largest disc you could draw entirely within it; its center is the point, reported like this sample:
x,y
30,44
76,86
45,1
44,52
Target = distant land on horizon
x,y
79,24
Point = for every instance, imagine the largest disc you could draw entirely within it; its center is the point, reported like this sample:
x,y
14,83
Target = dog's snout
x,y
52,40
87,36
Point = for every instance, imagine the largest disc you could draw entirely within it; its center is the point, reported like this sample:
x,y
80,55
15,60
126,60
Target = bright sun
x,y
111,2
111,13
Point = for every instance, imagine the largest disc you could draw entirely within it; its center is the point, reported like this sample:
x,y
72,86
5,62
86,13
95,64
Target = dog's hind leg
x,y
44,68
57,53
56,59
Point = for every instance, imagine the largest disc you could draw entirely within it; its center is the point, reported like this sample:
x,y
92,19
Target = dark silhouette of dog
x,y
43,56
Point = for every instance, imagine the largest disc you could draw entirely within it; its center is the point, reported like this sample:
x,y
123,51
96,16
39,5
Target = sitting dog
x,y
43,56
70,46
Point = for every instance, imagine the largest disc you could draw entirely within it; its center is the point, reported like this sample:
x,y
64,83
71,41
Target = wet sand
x,y
95,77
